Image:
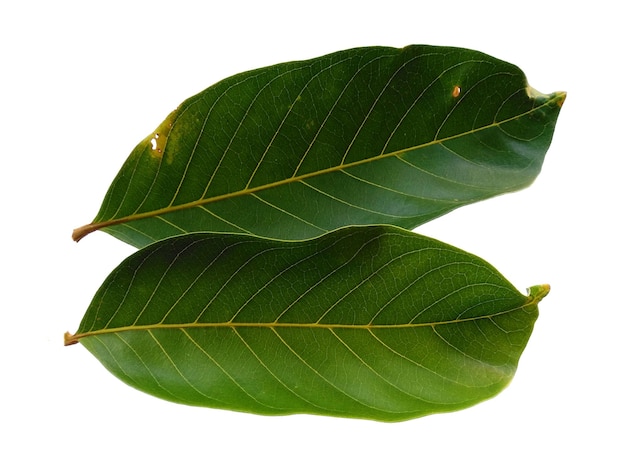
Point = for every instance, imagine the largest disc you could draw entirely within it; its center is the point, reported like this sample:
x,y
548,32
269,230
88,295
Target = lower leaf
x,y
365,322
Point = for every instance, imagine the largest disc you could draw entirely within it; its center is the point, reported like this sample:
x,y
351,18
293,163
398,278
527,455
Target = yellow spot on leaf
x,y
456,91
160,137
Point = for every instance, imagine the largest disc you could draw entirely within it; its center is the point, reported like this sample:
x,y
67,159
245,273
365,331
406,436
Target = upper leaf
x,y
363,136
366,322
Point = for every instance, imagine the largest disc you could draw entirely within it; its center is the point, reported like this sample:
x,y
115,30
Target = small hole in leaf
x,y
154,141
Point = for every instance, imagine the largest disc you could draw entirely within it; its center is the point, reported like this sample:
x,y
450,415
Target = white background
x,y
82,82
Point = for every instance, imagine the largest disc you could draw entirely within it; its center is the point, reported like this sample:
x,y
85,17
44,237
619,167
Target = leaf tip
x,y
557,97
69,339
537,293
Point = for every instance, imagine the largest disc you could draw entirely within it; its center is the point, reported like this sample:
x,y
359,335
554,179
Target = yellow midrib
x,y
86,229
71,339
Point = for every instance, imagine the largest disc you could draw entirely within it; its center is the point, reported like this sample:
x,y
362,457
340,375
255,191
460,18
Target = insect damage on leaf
x,y
235,302
159,139
368,135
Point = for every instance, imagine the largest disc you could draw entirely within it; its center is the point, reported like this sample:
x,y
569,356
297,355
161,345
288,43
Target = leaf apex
x,y
557,97
560,98
537,293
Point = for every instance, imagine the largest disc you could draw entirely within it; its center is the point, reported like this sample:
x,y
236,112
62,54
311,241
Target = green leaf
x,y
366,322
365,136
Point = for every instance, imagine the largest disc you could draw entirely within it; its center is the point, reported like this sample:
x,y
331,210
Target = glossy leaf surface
x,y
364,136
366,322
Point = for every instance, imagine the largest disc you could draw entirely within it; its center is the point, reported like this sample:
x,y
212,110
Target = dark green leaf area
x,y
367,322
363,136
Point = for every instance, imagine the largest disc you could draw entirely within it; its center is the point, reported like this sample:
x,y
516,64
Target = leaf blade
x,y
369,135
366,322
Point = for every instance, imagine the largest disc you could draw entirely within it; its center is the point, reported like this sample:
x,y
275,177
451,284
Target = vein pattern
x,y
371,322
298,149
